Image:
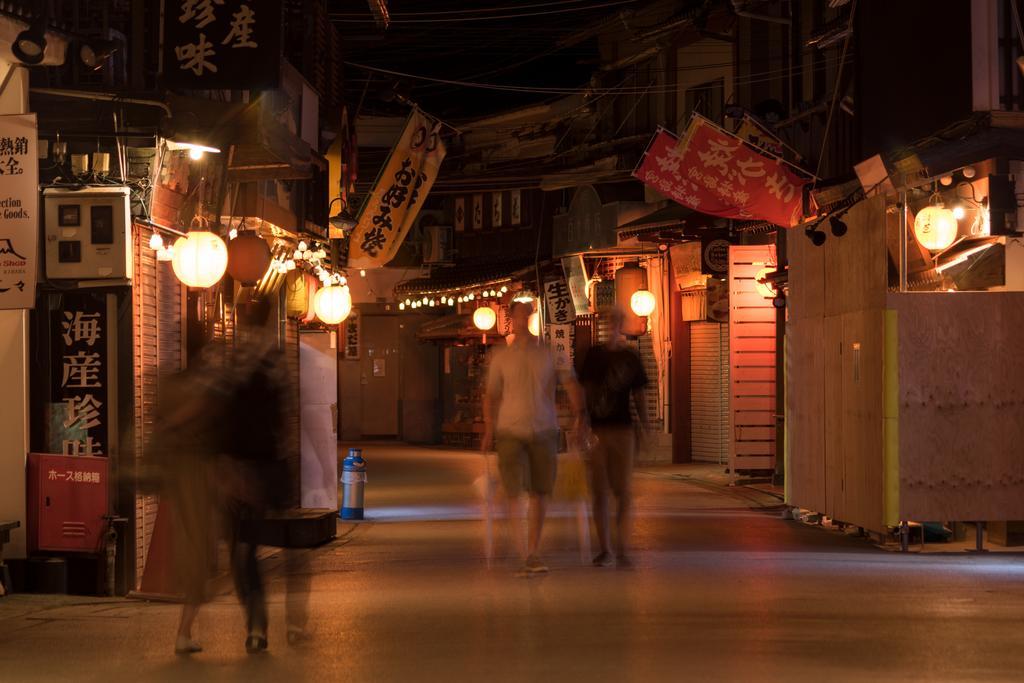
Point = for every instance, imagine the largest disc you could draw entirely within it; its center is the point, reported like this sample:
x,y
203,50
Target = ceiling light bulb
x,y
362,273
232,233
156,241
195,153
958,212
401,306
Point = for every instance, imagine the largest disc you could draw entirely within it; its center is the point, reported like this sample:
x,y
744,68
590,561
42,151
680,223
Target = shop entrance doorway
x,y
378,376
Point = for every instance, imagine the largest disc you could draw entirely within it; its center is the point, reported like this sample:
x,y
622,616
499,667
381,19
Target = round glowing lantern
x,y
642,303
534,324
764,286
248,258
484,318
332,304
200,259
935,227
630,279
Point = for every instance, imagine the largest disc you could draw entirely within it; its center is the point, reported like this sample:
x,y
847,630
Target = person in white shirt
x,y
520,423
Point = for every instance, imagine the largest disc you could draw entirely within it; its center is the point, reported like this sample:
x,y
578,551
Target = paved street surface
x,y
723,589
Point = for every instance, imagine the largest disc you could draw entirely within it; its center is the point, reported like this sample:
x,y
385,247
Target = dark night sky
x,y
478,44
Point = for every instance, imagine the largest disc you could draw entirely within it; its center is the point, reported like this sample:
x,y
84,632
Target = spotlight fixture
x,y
839,228
30,45
817,237
95,53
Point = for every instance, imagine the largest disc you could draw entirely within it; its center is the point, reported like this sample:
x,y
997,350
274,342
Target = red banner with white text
x,y
713,172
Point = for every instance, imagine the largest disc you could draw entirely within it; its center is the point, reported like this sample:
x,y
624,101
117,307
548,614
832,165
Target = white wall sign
x,y
560,339
19,211
558,302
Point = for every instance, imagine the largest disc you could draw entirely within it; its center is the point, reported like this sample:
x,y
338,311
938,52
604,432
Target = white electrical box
x,y
88,233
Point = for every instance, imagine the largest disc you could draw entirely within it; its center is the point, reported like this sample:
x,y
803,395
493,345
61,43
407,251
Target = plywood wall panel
x,y
805,297
961,401
832,416
862,426
805,420
856,265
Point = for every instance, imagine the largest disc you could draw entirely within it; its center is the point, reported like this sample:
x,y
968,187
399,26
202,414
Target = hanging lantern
x,y
642,303
764,286
935,227
534,324
630,280
332,304
484,318
200,259
248,258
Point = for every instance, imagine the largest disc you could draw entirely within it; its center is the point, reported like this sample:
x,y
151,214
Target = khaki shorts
x,y
611,460
527,463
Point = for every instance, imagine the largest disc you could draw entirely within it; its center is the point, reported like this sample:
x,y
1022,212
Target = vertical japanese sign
x,y
714,172
19,211
576,276
478,212
460,214
515,207
79,332
214,44
558,302
560,341
390,210
352,336
496,199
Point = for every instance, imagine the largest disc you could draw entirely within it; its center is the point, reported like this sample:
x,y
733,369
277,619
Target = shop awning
x,y
454,326
445,280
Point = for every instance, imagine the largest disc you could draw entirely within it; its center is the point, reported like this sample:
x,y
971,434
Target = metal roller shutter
x,y
709,392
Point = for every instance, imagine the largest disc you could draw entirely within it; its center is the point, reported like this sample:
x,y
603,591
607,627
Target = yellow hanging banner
x,y
390,210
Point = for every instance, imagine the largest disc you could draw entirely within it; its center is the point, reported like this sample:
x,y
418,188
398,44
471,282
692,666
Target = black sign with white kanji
x,y
78,343
221,44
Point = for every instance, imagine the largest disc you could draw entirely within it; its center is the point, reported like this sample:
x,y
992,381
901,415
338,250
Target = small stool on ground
x,y
5,537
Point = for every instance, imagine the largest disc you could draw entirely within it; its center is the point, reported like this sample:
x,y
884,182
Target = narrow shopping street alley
x,y
723,589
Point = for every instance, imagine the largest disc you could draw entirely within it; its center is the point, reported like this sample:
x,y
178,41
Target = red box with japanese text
x,y
67,499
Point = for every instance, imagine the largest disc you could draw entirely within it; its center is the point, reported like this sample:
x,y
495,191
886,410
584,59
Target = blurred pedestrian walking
x,y
185,450
611,373
520,422
257,478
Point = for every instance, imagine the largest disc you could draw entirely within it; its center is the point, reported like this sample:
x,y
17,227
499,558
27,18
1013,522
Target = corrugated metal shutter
x,y
158,310
709,392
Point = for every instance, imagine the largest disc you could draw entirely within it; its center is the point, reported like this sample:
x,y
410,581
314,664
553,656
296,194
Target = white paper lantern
x,y
642,302
935,227
332,304
484,318
534,324
764,286
200,259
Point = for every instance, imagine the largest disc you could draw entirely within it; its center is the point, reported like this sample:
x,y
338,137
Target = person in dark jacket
x,y
611,374
258,476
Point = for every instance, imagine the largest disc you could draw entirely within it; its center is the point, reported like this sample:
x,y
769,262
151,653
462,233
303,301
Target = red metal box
x,y
67,499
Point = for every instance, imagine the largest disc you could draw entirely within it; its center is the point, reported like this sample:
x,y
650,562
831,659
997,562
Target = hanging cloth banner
x,y
390,211
714,172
